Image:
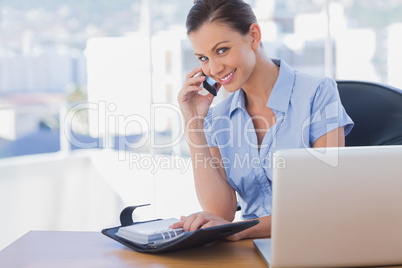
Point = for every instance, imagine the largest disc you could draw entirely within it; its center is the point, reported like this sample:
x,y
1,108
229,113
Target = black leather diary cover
x,y
185,241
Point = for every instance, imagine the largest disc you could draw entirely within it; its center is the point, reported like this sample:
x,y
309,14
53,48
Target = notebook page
x,y
148,228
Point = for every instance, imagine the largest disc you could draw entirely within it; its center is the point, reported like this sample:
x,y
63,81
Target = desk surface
x,y
91,249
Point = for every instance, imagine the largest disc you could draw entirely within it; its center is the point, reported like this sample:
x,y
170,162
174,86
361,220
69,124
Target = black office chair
x,y
376,110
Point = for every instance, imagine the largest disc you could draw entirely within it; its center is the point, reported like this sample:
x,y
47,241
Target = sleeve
x,y
327,111
208,130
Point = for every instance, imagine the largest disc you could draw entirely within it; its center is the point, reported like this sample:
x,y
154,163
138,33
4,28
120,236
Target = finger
x,y
193,84
210,224
193,89
186,94
193,72
188,222
176,225
194,81
188,90
200,220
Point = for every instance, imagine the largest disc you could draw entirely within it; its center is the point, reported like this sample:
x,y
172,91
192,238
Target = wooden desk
x,y
42,249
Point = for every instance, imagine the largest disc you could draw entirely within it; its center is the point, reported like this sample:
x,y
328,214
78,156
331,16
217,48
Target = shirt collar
x,y
280,95
238,101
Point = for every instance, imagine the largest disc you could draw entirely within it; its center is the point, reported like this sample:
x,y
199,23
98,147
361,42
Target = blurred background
x,y
88,111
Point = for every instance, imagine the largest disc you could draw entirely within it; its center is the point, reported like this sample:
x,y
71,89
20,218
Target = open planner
x,y
156,237
151,232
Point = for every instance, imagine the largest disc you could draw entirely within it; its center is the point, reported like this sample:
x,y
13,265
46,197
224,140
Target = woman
x,y
271,107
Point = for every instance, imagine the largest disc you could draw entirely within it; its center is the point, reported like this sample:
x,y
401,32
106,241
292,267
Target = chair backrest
x,y
376,110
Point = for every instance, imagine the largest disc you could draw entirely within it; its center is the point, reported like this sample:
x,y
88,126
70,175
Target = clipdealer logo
x,y
330,156
108,123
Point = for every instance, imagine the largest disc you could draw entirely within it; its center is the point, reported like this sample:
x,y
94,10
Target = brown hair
x,y
235,13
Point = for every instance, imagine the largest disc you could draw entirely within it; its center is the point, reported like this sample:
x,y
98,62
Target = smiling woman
x,y
272,107
222,54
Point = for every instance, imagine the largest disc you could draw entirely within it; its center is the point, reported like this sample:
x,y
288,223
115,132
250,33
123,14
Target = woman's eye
x,y
222,50
203,58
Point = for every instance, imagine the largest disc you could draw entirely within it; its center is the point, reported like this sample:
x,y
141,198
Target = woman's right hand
x,y
194,106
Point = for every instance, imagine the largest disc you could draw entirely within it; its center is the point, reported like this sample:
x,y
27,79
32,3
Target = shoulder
x,y
308,86
222,108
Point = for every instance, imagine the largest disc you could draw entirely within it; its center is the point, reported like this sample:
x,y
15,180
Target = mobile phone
x,y
210,85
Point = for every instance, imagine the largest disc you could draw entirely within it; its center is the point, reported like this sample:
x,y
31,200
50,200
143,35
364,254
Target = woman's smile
x,y
229,77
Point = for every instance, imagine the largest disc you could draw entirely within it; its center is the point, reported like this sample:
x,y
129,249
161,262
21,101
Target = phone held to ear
x,y
210,85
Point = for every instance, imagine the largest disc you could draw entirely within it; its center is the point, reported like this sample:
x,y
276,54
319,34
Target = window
x,y
80,57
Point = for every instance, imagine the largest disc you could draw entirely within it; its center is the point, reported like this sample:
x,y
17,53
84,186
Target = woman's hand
x,y
193,105
208,219
203,220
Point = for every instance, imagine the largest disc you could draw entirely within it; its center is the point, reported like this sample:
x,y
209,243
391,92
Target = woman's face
x,y
224,54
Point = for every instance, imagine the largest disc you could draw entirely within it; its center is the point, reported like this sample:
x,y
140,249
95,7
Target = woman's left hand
x,y
203,220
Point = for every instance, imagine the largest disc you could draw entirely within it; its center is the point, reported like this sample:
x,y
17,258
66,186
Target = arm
x,y
334,138
263,229
213,191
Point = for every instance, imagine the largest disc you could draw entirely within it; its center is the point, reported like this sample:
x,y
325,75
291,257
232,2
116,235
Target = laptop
x,y
335,207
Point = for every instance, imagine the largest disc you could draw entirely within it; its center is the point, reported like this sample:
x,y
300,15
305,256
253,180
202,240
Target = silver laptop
x,y
336,207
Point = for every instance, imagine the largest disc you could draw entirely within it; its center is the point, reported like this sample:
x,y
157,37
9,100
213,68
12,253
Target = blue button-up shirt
x,y
305,106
